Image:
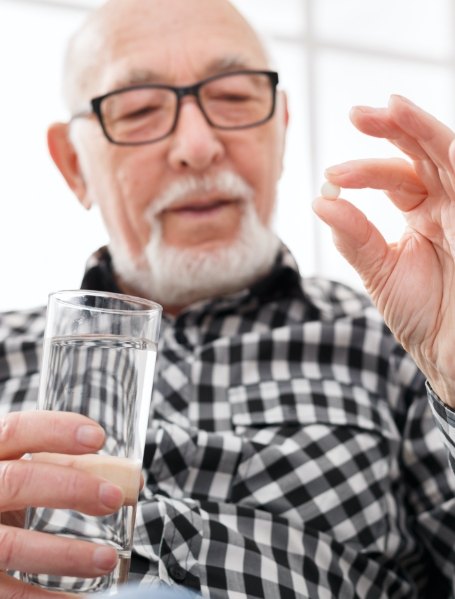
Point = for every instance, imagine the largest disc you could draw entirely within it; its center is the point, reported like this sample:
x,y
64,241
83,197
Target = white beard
x,y
179,276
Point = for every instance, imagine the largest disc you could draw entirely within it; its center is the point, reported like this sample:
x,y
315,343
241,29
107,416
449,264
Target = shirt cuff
x,y
445,421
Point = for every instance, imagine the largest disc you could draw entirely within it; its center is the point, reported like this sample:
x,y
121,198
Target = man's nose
x,y
195,145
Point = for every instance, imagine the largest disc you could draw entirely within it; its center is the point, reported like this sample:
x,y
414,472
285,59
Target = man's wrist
x,y
443,393
444,416
439,402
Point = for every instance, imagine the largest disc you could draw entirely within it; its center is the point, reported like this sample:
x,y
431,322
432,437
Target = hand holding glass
x,y
98,360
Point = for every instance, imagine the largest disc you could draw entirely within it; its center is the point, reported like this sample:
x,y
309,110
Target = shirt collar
x,y
283,281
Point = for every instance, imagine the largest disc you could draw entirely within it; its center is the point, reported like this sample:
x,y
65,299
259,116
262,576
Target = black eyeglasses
x,y
144,114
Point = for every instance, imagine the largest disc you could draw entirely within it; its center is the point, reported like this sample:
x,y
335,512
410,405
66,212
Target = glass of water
x,y
98,360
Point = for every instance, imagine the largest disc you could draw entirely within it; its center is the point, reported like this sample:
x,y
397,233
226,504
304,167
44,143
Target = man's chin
x,y
180,276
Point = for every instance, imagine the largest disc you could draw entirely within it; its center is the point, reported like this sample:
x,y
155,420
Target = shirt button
x,y
177,573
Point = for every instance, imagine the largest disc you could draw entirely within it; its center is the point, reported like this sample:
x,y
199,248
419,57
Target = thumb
x,y
355,237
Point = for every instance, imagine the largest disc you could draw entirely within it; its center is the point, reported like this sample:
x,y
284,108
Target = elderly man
x,y
293,450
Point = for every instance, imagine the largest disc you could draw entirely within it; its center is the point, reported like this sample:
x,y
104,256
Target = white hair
x,y
176,276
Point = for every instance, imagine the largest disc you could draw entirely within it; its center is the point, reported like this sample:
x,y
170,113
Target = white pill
x,y
330,191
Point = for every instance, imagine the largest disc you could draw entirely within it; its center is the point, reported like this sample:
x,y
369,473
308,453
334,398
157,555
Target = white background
x,y
331,55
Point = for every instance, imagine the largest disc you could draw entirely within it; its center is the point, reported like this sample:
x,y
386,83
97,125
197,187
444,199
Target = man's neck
x,y
128,290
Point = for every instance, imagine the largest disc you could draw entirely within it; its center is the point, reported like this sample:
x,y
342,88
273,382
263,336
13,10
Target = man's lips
x,y
201,207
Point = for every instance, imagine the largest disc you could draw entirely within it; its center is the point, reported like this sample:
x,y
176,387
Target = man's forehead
x,y
169,46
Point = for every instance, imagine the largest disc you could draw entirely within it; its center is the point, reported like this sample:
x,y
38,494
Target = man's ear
x,y
64,154
284,108
283,116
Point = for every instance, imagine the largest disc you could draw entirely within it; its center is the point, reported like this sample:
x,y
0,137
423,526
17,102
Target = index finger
x,y
61,432
393,175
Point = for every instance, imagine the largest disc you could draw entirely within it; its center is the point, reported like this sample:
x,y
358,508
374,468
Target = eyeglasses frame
x,y
181,92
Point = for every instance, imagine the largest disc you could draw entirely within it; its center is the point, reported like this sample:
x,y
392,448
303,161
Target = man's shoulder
x,y
334,300
21,342
22,324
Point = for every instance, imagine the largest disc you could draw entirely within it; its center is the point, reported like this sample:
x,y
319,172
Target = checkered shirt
x,y
292,450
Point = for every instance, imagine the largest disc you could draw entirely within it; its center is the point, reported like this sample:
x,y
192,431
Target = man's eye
x,y
141,112
230,97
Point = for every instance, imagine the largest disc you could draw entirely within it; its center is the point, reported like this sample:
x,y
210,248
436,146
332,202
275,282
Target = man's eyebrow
x,y
228,64
219,65
138,77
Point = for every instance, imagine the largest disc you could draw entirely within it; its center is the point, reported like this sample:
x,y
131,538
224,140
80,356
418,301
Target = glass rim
x,y
150,306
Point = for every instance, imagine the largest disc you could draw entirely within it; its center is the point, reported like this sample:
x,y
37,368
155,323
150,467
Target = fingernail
x,y
90,435
402,98
111,496
365,109
105,558
336,169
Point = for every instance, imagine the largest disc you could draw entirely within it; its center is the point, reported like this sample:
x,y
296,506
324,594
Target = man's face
x,y
177,45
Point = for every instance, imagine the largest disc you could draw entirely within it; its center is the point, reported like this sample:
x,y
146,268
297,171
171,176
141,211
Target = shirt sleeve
x,y
445,421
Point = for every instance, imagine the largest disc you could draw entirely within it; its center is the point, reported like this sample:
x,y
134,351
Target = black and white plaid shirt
x,y
292,452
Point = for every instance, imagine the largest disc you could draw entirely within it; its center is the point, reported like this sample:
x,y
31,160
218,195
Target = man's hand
x,y
412,281
25,482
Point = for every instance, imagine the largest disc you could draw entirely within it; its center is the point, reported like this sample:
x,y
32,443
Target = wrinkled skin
x,y
412,281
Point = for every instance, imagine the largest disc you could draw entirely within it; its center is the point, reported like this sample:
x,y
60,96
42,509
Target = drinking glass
x,y
98,360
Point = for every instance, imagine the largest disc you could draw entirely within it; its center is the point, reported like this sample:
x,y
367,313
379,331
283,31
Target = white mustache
x,y
225,183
